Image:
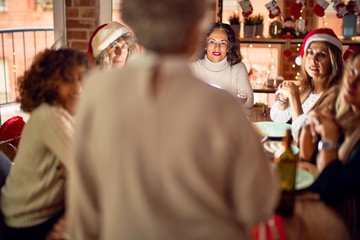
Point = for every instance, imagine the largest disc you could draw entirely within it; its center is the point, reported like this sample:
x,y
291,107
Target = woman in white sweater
x,y
220,63
32,199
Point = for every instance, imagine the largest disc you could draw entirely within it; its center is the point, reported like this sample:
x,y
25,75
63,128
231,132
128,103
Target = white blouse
x,y
284,116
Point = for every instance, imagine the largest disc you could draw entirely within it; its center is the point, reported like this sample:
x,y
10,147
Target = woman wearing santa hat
x,y
321,71
110,45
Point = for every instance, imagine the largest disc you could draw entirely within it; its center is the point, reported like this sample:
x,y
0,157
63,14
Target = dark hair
x,y
49,69
233,54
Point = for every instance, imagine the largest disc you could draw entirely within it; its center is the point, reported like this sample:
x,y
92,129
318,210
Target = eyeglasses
x,y
222,44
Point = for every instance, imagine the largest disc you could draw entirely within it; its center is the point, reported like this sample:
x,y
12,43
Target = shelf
x,y
345,42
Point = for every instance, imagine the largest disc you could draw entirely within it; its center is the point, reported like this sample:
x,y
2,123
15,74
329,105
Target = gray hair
x,y
103,60
163,25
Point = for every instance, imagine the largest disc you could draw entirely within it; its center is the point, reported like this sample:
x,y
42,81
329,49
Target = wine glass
x,y
242,95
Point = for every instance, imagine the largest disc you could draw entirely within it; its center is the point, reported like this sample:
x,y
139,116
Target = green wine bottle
x,y
286,162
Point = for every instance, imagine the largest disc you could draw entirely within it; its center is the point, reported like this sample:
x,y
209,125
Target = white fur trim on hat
x,y
323,38
318,35
105,36
298,60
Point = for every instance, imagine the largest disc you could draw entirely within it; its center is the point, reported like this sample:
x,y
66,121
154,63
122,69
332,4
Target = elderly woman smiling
x,y
111,45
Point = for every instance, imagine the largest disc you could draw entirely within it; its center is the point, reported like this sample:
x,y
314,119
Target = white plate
x,y
273,146
273,129
303,179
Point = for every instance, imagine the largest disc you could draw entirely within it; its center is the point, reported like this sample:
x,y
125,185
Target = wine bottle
x,y
286,162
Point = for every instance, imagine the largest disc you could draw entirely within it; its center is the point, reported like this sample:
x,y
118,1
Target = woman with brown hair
x,y
33,198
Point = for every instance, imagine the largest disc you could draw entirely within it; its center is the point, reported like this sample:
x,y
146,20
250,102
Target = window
x,y
42,5
3,5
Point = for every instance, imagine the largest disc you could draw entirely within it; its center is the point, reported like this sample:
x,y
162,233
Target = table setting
x,y
312,218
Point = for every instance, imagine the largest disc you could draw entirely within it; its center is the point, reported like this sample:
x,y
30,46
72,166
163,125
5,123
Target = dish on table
x,y
273,146
303,179
272,129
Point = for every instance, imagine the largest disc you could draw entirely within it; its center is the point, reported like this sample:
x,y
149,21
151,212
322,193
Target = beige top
x,y
186,164
34,191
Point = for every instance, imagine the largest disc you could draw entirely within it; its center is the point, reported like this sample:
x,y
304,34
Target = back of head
x,y
163,25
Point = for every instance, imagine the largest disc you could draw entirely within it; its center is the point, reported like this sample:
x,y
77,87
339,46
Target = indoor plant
x,y
234,21
259,24
249,27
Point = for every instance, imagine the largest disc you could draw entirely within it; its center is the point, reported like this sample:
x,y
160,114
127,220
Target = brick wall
x,y
288,70
82,17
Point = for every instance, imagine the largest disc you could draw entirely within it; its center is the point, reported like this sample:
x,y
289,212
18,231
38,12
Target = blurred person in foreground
x,y
33,198
320,74
111,45
171,162
338,151
220,63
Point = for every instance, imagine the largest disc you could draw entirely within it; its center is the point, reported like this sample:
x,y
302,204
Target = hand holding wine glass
x,y
242,95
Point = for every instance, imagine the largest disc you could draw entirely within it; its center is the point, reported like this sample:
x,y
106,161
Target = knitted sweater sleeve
x,y
59,134
297,125
243,82
280,115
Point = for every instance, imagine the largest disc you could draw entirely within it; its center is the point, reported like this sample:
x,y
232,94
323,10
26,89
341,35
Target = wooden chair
x,y
8,148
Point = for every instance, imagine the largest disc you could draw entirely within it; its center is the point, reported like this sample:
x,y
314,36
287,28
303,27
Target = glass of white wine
x,y
242,95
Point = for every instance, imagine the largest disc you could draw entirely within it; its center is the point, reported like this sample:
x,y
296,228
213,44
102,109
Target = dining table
x,y
312,218
259,114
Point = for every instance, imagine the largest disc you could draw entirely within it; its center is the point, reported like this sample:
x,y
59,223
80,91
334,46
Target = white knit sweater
x,y
221,74
34,191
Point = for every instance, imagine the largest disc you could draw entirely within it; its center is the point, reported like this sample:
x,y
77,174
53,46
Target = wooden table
x,y
260,114
261,88
312,219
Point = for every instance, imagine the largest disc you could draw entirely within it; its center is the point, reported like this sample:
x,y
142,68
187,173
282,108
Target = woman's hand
x,y
289,92
59,231
324,125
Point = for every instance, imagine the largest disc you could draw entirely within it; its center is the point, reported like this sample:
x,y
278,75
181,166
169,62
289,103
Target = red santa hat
x,y
350,51
318,35
103,36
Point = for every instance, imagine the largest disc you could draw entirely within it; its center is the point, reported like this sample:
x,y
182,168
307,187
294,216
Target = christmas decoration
x,y
246,7
320,7
275,29
274,9
296,8
340,8
288,32
343,9
350,51
357,7
351,7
